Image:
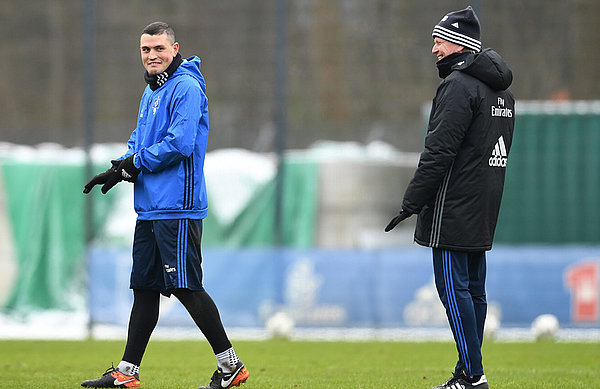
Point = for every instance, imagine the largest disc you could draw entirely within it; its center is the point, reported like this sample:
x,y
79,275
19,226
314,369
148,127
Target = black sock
x,y
206,316
473,379
143,319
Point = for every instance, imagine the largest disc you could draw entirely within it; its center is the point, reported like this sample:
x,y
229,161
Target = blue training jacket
x,y
170,141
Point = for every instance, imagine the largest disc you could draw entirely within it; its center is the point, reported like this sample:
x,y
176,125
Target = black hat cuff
x,y
456,37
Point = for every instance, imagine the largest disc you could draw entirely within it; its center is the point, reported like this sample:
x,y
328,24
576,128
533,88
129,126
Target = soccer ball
x,y
545,327
280,326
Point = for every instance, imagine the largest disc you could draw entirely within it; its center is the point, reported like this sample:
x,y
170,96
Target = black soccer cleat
x,y
460,381
222,380
113,378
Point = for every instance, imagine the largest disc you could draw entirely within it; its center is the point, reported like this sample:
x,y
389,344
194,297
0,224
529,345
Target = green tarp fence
x,y
254,226
552,190
46,208
47,214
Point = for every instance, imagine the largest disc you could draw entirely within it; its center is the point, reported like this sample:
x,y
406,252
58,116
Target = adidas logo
x,y
499,154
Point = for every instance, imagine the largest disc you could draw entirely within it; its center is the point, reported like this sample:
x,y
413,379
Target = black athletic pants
x,y
144,317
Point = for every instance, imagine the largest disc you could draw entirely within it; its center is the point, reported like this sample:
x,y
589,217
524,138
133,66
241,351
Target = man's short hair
x,y
158,28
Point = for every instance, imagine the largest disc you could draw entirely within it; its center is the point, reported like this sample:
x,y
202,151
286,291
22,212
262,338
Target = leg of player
x,y
189,290
451,270
231,371
143,319
477,273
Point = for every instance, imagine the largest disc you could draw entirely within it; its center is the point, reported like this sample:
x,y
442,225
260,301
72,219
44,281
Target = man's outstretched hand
x,y
395,221
103,178
120,170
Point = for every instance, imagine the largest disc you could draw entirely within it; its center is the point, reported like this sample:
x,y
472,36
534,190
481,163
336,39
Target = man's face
x,y
157,52
442,48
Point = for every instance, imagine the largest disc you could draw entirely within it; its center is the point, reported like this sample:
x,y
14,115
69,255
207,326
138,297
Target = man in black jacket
x,y
457,187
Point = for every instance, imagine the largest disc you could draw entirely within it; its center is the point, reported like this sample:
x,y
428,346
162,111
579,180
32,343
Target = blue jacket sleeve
x,y
131,142
130,146
185,112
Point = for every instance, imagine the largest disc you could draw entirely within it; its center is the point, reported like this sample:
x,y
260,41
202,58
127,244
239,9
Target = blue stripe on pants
x,y
453,311
460,281
182,252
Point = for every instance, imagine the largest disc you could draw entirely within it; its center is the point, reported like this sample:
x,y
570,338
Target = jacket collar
x,y
450,62
157,80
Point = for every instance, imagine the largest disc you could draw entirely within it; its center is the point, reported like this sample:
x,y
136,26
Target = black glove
x,y
394,222
127,169
103,178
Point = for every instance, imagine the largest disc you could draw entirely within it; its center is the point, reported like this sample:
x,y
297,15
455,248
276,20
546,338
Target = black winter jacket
x,y
457,187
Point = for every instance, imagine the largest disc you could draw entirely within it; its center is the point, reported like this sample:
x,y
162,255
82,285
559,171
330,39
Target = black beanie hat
x,y
460,27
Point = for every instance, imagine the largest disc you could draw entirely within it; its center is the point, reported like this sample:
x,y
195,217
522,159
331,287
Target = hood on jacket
x,y
191,66
488,67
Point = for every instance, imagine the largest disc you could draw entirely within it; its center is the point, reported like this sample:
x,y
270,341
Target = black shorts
x,y
166,255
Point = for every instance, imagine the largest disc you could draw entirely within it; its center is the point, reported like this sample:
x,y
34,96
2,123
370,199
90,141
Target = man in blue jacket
x,y
165,160
457,187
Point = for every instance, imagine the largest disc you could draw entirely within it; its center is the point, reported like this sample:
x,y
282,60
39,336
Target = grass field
x,y
308,365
